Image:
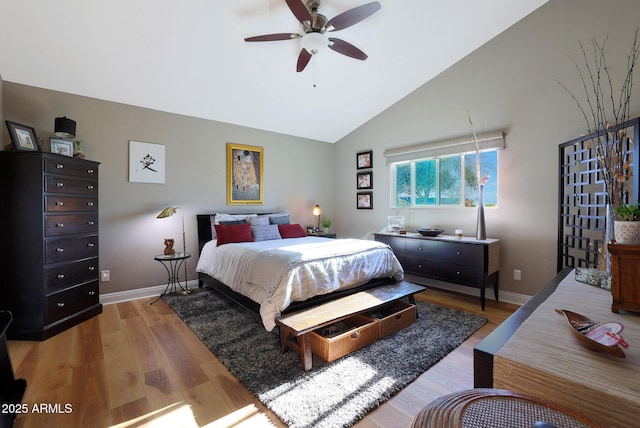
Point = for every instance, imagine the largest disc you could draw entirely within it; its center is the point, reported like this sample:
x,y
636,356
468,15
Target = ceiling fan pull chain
x,y
314,71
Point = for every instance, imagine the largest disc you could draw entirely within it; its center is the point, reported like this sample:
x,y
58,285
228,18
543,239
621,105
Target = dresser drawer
x,y
58,250
421,266
468,254
55,203
71,273
397,244
75,185
71,223
68,302
422,248
60,165
462,274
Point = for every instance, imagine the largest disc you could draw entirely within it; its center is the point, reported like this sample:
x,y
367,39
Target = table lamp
x,y
168,212
317,212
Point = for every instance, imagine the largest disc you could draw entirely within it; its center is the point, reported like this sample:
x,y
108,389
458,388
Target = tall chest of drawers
x,y
50,267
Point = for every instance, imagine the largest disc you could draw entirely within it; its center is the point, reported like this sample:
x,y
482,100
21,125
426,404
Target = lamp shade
x,y
167,212
65,127
316,210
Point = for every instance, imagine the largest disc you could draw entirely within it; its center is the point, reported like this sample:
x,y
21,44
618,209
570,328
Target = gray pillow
x,y
265,233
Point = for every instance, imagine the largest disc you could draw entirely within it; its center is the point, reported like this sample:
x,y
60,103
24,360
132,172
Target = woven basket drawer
x,y
358,331
393,316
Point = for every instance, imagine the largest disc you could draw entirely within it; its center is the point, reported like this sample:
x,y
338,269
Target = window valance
x,y
493,140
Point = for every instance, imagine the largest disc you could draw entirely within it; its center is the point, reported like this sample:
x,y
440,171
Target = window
x,y
444,181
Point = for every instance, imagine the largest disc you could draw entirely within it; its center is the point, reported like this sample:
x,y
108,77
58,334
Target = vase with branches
x,y
606,112
481,180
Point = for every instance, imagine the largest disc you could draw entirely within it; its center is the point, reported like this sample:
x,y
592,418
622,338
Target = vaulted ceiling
x,y
190,57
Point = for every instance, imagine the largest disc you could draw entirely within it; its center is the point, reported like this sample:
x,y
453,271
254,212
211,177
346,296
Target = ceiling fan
x,y
316,25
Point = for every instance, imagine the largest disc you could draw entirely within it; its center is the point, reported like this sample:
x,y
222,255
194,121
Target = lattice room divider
x,y
582,199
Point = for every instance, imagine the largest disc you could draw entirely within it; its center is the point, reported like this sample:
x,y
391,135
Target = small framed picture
x,y
23,137
365,180
60,146
364,160
364,200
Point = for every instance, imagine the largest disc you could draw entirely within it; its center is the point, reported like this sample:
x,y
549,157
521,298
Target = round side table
x,y
172,263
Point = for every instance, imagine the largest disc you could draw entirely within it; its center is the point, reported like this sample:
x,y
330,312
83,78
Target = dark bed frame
x,y
204,236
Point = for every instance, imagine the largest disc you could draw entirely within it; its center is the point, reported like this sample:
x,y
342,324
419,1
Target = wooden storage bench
x,y
296,328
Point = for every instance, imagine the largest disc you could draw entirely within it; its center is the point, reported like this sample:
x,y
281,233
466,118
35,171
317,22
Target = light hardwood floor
x,y
139,365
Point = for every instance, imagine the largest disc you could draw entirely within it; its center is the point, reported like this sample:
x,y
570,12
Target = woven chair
x,y
496,408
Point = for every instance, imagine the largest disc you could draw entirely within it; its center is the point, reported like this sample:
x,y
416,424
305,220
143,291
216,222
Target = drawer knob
x,y
90,171
59,224
89,204
92,293
91,223
90,187
457,272
91,245
420,266
59,184
59,203
60,276
59,166
92,268
459,253
355,335
60,250
60,305
419,248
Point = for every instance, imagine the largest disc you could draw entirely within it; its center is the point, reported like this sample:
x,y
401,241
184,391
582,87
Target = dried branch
x,y
605,121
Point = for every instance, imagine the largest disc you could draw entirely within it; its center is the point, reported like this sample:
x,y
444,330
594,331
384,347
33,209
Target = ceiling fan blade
x,y
347,49
303,60
299,10
273,37
353,16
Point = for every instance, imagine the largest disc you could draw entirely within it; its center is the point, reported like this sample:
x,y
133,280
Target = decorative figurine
x,y
168,247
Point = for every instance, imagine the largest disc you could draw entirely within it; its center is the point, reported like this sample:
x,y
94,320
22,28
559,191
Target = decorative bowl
x,y
429,231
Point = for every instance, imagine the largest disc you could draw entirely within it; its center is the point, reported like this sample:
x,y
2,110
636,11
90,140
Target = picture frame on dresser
x,y
60,146
23,137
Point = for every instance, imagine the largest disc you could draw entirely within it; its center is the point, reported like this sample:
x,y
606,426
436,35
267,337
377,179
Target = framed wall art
x,y
364,180
245,174
146,162
364,160
364,200
60,146
23,137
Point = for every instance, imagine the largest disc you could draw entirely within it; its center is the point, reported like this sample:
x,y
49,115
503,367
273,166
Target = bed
x,y
272,276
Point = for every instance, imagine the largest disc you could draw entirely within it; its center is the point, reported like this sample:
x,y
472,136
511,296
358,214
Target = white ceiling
x,y
189,57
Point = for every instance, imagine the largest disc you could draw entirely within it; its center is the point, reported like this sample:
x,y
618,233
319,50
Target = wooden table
x,y
295,328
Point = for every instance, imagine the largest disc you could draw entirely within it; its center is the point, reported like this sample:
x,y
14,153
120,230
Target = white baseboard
x,y
504,296
140,293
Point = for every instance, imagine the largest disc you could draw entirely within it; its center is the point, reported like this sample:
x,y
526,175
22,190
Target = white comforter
x,y
278,272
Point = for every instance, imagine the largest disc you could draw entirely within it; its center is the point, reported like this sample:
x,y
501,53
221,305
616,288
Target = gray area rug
x,y
336,394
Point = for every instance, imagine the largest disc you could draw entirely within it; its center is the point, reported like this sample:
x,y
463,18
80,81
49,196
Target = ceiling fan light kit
x,y
316,25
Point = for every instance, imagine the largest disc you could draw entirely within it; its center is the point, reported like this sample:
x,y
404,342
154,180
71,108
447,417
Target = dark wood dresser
x,y
465,261
625,277
50,254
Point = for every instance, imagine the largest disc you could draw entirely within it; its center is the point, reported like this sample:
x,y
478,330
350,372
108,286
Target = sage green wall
x,y
508,84
298,174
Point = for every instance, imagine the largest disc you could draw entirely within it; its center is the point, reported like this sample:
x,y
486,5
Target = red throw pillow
x,y
233,233
291,231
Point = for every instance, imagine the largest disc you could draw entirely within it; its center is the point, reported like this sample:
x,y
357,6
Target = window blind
x,y
494,140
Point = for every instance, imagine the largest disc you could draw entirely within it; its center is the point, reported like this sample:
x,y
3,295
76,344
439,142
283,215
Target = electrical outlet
x,y
105,276
517,274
